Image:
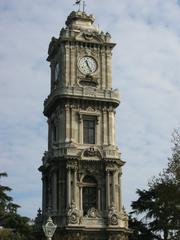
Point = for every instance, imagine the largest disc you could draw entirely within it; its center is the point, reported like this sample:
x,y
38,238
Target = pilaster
x,y
68,186
67,64
67,129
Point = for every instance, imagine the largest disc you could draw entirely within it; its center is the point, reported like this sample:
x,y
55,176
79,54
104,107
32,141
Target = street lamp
x,y
49,228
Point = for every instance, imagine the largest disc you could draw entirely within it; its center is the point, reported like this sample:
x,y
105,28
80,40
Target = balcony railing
x,y
86,92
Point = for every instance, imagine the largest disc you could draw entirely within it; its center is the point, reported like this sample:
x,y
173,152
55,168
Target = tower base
x,y
91,234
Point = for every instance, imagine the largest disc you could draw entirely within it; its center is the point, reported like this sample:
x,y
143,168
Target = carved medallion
x,y
93,213
91,152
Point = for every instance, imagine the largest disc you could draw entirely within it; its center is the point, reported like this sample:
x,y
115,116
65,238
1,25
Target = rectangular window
x,y
89,130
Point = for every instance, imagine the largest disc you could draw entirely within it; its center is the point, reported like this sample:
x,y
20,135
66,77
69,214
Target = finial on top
x,y
84,6
78,3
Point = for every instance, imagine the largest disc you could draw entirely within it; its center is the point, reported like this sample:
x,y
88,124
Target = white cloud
x,y
145,69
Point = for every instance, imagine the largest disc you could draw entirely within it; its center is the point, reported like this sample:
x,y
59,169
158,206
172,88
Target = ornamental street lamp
x,y
49,228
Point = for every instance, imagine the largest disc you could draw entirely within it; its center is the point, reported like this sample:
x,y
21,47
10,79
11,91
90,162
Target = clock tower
x,y
82,169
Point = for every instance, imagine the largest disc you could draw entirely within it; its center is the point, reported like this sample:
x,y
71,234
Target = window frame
x,y
90,188
88,139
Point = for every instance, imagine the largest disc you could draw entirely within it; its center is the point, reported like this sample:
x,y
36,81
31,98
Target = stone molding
x,y
106,94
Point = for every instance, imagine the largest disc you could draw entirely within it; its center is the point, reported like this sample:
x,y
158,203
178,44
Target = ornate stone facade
x,y
81,171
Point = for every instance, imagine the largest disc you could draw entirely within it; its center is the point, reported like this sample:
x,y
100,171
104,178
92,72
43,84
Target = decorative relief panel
x,y
113,216
90,91
73,215
88,80
93,213
91,152
90,167
117,218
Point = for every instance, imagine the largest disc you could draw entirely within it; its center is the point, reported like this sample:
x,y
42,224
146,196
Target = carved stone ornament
x,y
92,152
124,217
86,167
93,213
88,36
90,91
113,216
88,80
73,214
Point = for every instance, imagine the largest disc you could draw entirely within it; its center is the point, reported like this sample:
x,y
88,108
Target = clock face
x,y
87,65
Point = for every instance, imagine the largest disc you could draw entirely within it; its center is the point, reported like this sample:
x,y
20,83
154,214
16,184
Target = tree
x,y
6,202
158,206
15,227
174,162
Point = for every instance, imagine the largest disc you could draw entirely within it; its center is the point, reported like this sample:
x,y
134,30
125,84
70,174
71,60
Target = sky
x,y
146,70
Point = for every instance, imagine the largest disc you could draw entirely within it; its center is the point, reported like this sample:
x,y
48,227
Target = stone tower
x,y
81,171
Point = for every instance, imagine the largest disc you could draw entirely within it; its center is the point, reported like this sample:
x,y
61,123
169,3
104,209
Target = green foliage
x,y
174,162
140,230
8,234
15,227
157,207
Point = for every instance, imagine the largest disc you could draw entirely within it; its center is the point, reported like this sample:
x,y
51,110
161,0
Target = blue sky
x,y
146,71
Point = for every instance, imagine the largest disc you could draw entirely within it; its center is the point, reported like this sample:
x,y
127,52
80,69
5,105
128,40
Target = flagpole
x,y
81,3
84,6
79,6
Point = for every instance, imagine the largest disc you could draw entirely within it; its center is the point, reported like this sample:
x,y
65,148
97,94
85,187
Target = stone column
x,y
103,65
113,189
49,206
67,61
98,135
52,67
104,127
120,193
109,69
80,129
99,199
68,187
61,193
71,123
59,124
110,118
73,67
74,128
49,133
54,192
113,127
75,184
80,199
107,190
67,111
44,195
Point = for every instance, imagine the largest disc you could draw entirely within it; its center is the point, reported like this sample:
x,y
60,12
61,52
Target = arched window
x,y
89,193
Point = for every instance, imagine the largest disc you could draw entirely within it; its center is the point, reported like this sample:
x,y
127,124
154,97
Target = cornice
x,y
83,93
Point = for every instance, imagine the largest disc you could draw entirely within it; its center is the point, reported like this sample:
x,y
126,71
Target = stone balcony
x,y
86,93
81,152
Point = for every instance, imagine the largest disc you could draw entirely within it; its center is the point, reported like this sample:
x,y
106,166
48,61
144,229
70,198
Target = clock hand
x,y
88,66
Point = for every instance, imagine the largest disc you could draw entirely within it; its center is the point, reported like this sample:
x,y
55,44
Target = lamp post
x,y
49,228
